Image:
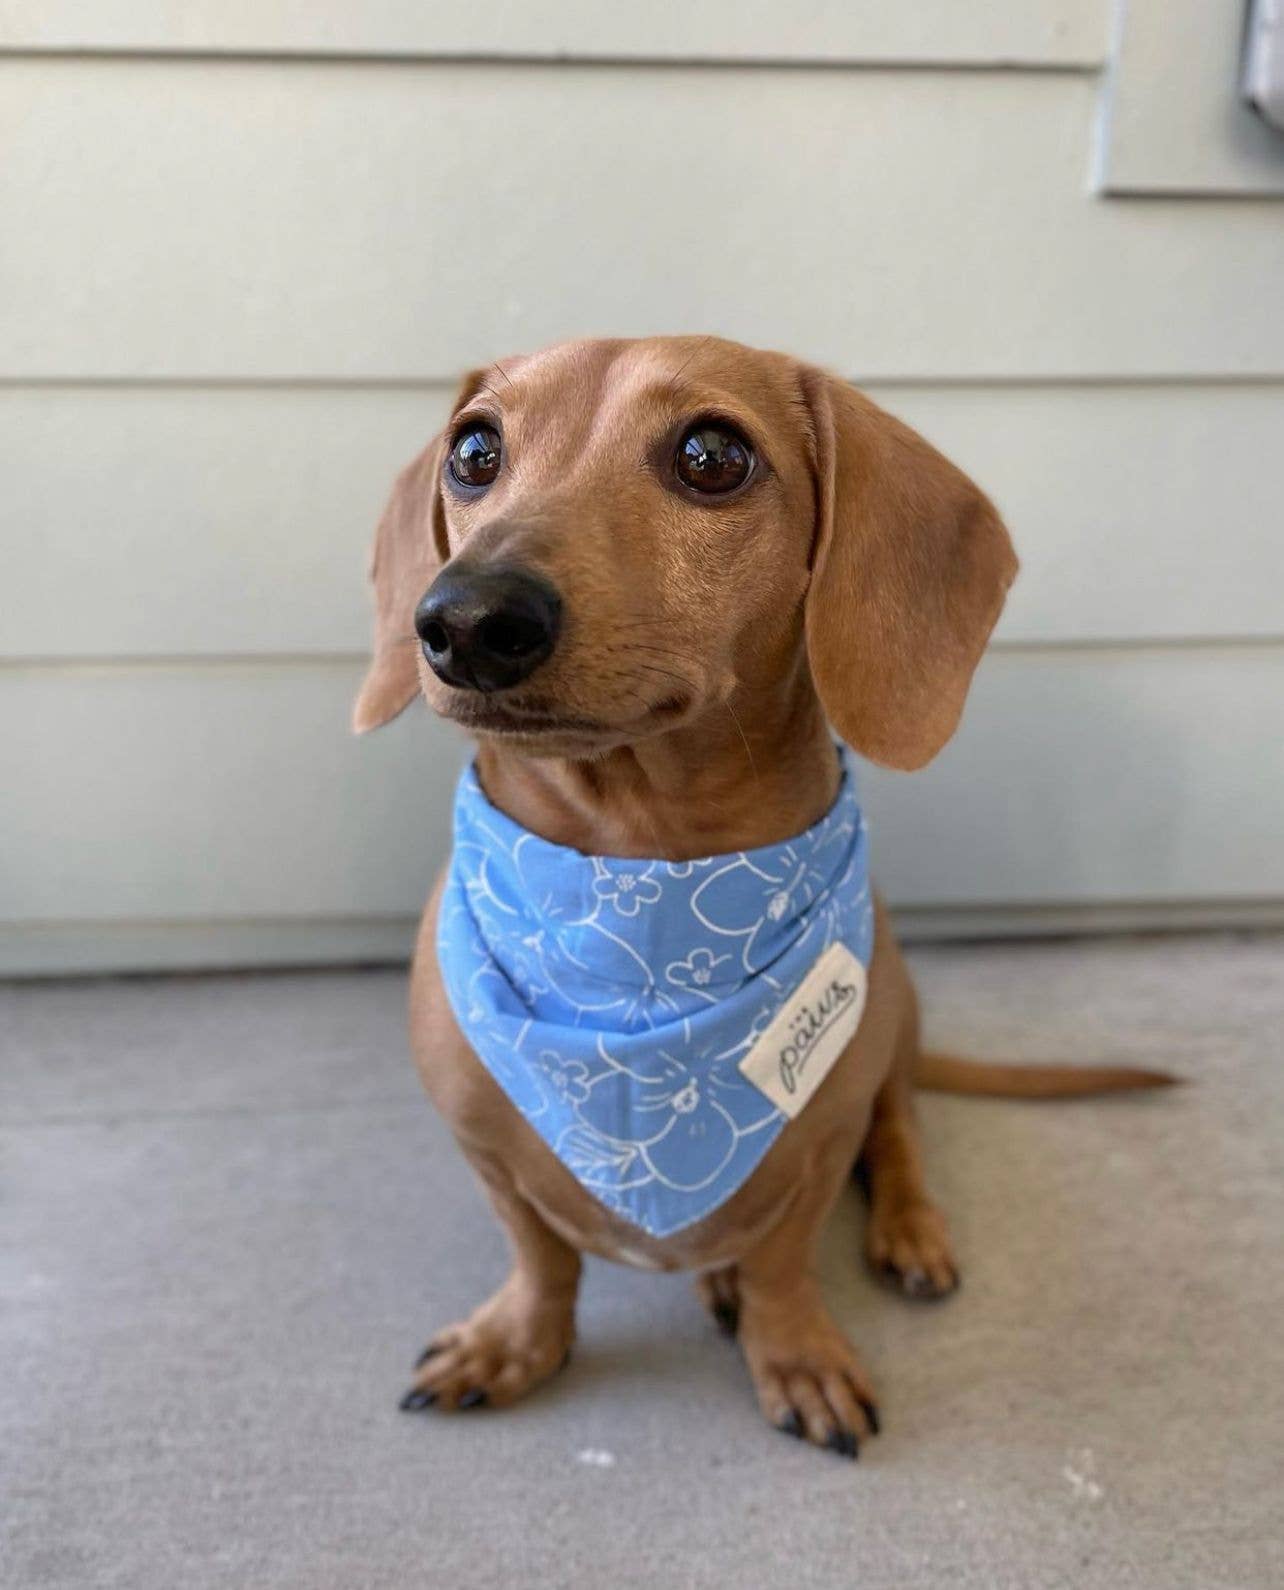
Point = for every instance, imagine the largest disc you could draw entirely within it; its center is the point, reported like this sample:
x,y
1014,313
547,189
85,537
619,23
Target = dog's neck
x,y
745,774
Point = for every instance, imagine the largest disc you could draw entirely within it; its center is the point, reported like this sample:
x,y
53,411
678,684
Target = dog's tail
x,y
947,1073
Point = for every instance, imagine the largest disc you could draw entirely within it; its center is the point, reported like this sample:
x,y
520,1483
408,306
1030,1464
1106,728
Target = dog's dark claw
x,y
472,1399
845,1443
871,1415
416,1401
916,1284
726,1316
430,1351
791,1424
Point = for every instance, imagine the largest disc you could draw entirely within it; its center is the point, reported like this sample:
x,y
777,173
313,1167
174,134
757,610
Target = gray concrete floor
x,y
230,1220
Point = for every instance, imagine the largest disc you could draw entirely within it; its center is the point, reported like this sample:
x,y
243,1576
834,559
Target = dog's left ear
x,y
409,548
910,568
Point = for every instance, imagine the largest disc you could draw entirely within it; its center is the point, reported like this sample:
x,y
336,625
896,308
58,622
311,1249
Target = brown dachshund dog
x,y
679,561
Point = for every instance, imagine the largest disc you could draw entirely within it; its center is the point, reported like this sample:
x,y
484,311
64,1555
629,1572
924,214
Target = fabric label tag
x,y
809,1032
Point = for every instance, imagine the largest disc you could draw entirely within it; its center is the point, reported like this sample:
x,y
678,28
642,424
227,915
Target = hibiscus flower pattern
x,y
569,1079
613,1000
699,972
626,889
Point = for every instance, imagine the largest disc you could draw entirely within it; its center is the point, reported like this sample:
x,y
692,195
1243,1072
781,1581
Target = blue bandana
x,y
657,1022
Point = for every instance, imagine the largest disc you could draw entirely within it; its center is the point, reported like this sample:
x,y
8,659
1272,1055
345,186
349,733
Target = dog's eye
x,y
712,459
475,457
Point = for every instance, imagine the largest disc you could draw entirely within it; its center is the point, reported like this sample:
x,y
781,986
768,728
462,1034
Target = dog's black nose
x,y
487,628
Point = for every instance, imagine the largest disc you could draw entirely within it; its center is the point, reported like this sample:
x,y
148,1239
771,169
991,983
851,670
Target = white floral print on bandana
x,y
614,1000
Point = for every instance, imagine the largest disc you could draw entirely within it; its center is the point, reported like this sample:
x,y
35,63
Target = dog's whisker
x,y
665,673
627,660
631,646
661,651
639,623
753,766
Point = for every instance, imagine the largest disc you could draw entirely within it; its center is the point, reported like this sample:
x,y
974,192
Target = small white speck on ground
x,y
1080,1472
595,1457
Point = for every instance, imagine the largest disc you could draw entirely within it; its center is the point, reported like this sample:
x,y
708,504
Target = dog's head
x,y
610,539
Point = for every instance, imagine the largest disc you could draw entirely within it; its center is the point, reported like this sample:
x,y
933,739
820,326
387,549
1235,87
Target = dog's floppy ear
x,y
910,567
405,558
409,547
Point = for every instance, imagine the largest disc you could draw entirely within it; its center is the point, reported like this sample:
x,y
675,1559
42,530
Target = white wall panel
x,y
1173,118
236,293
1044,32
1107,776
196,522
206,522
232,790
1141,513
234,219
235,791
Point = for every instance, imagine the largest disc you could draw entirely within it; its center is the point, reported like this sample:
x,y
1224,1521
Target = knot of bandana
x,y
615,1001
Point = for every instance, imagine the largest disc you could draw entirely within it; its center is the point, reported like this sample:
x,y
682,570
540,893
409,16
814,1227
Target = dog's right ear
x,y
407,553
409,547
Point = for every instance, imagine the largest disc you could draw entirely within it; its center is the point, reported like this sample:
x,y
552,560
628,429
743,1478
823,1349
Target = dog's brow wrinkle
x,y
699,348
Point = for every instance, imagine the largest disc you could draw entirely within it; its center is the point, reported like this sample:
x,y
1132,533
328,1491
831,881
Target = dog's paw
x,y
719,1291
508,1347
809,1380
909,1247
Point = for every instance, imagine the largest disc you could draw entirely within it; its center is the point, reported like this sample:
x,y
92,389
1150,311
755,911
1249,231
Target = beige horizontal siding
x,y
1034,32
264,219
205,522
243,265
213,791
235,791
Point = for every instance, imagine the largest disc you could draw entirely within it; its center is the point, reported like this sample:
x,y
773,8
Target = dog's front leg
x,y
522,1334
809,1380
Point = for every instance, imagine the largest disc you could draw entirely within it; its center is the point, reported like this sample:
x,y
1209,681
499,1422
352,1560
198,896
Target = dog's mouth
x,y
491,717
539,721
